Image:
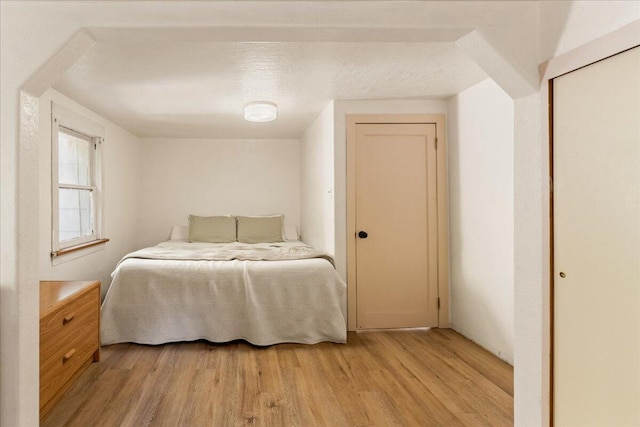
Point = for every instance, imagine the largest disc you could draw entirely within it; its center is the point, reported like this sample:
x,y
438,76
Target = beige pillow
x,y
260,229
212,229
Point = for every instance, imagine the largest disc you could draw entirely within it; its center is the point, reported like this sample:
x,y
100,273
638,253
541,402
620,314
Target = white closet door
x,y
597,244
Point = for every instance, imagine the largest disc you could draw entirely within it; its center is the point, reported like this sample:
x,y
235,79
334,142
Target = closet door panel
x,y
596,197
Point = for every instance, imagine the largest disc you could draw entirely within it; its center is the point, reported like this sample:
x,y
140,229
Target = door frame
x,y
442,210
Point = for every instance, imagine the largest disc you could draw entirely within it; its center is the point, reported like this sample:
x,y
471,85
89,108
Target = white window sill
x,y
69,254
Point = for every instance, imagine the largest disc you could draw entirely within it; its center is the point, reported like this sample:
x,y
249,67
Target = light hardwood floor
x,y
411,378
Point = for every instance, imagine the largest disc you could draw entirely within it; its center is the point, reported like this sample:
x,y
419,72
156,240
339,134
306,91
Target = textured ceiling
x,y
196,89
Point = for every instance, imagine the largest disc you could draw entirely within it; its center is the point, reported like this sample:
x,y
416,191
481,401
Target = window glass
x,y
75,213
74,159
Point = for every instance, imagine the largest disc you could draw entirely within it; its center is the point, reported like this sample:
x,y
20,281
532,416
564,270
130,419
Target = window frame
x,y
79,126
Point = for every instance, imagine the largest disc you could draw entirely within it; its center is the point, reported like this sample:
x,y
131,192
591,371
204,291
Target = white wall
x,y
480,137
317,212
215,177
341,109
121,187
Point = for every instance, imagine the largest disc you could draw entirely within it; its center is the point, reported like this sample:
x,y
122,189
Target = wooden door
x,y
596,173
396,260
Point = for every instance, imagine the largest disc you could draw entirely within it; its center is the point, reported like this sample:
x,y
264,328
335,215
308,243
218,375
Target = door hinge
x,y
436,145
438,303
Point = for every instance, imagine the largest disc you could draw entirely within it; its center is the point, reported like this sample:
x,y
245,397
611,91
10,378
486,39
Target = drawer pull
x,y
68,356
68,319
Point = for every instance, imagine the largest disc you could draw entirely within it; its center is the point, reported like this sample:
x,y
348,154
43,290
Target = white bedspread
x,y
153,301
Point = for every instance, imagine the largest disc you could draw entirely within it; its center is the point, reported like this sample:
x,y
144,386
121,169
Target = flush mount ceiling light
x,y
261,111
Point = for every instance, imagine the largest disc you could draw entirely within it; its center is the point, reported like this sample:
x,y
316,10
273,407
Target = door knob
x,y
562,274
362,234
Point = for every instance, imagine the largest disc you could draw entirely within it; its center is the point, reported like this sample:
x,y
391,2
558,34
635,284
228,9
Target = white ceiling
x,y
196,89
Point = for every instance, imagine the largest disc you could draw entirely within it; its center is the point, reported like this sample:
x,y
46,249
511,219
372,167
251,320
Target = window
x,y
76,182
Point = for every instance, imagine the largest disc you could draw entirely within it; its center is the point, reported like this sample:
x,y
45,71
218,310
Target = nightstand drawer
x,y
78,318
65,362
76,337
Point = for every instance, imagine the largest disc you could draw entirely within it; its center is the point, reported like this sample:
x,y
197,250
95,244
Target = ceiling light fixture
x,y
261,111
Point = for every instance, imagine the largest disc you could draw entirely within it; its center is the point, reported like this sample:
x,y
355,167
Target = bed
x,y
263,293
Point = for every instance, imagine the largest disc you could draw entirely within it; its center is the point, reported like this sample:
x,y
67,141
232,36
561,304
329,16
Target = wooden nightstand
x,y
69,336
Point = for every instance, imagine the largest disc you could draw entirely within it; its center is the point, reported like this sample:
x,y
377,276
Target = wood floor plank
x,y
417,377
440,400
304,410
83,389
174,399
418,404
496,370
150,393
321,384
469,390
339,373
89,413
